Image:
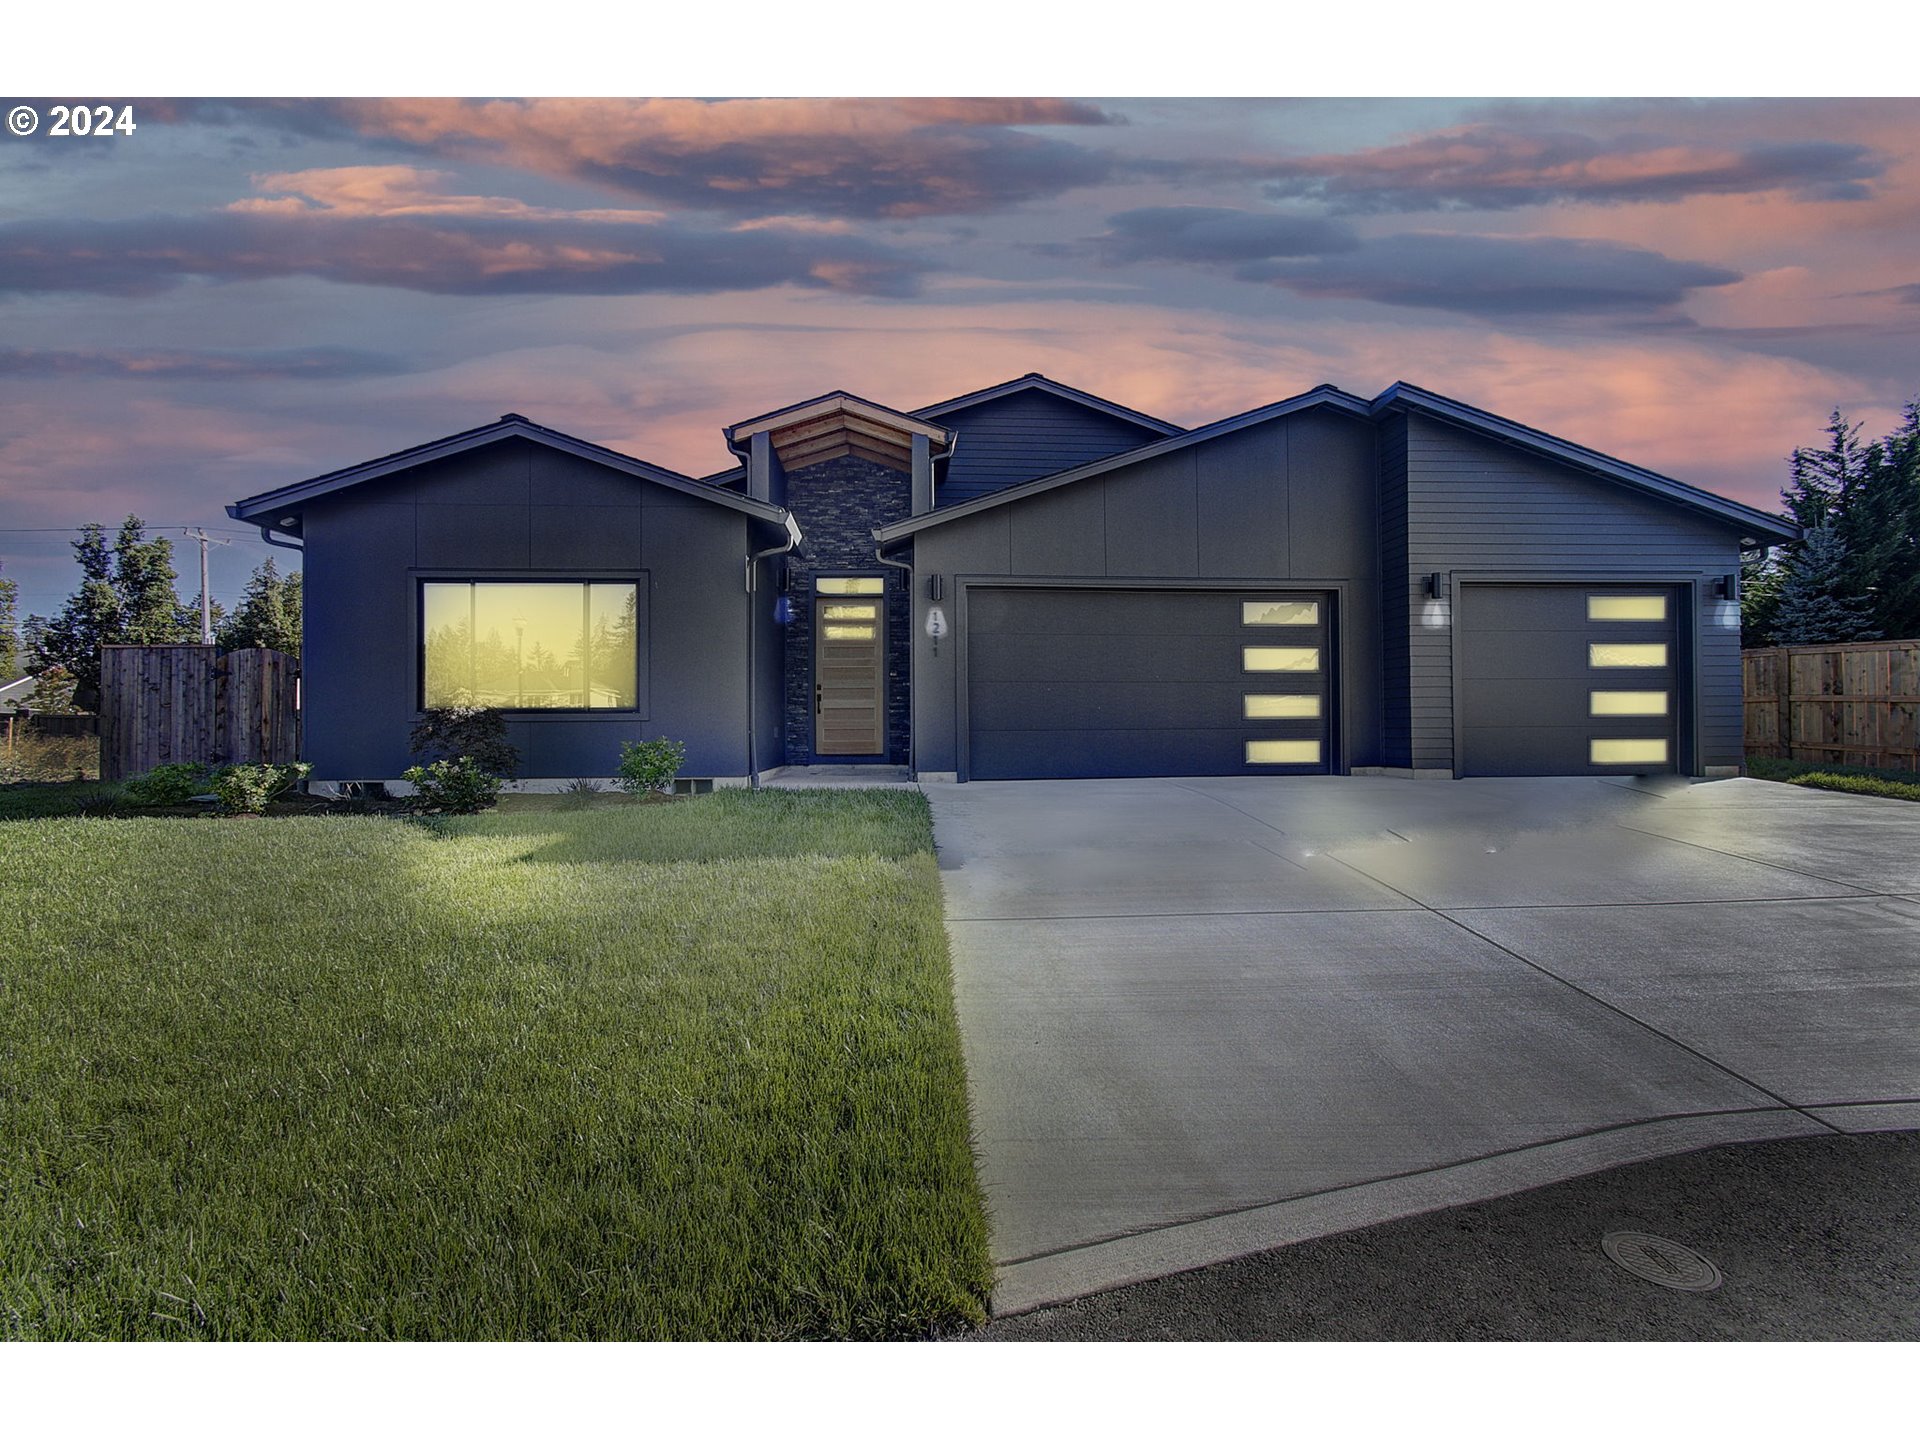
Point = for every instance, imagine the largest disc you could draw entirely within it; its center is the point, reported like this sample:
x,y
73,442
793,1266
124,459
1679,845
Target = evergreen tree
x,y
126,597
1820,479
268,613
1881,527
1817,605
9,629
143,577
1760,581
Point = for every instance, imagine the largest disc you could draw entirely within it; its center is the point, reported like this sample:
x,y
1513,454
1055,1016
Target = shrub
x,y
249,789
649,764
170,784
460,786
476,732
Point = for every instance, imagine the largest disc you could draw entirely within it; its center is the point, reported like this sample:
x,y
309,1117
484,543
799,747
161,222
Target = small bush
x,y
170,784
249,789
649,764
474,731
460,786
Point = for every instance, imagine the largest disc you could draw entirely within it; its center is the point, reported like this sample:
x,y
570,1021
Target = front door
x,y
850,666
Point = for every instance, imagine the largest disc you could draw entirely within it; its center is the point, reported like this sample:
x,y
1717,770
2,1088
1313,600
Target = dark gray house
x,y
1030,581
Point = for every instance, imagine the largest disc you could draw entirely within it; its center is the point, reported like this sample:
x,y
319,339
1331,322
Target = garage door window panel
x,y
1644,608
1628,702
1627,657
1257,659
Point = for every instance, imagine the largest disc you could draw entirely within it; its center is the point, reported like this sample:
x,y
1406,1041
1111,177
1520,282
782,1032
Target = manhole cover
x,y
1664,1262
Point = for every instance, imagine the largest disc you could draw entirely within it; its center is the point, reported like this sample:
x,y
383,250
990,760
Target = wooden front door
x,y
849,674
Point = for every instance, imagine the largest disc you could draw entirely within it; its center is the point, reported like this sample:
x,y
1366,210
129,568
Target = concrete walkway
x,y
1207,1017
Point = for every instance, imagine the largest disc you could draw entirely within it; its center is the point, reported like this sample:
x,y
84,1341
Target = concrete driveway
x,y
1206,1017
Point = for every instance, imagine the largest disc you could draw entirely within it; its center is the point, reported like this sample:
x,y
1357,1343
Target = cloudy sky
x,y
242,294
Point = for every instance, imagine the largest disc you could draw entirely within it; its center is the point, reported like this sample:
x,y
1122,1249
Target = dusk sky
x,y
242,294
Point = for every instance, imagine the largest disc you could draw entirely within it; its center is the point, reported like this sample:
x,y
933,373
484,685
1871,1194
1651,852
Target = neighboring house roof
x,y
1034,380
16,693
270,506
1398,396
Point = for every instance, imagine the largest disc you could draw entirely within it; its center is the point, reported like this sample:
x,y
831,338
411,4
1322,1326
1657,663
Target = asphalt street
x,y
1818,1239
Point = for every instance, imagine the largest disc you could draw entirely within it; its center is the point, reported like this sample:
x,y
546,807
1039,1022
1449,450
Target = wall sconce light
x,y
1437,585
1727,587
935,589
783,610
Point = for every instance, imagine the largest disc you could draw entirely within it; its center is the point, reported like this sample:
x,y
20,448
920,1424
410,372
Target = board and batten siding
x,y
1396,723
517,510
1475,504
1277,504
1026,435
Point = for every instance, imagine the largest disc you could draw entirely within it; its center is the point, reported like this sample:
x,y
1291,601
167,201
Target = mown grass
x,y
678,1071
1853,779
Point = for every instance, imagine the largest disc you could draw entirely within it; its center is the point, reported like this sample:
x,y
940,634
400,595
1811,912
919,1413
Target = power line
x,y
76,529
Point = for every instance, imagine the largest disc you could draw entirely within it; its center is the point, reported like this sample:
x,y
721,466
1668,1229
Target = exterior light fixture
x,y
936,589
1437,585
1727,587
783,610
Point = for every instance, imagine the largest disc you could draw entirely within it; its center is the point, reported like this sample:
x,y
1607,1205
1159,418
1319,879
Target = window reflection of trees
x,y
532,646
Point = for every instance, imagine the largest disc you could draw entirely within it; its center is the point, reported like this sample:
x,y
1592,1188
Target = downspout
x,y
753,660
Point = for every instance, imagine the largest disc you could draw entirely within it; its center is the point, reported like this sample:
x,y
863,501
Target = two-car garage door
x,y
1084,682
1567,679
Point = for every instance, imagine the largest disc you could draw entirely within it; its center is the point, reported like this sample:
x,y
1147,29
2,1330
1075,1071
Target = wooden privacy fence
x,y
1852,704
172,704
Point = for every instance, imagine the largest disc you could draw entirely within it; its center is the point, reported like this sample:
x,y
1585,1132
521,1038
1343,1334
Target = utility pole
x,y
206,595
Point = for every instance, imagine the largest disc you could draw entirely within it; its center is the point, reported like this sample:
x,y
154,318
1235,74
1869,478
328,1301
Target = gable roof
x,y
1398,396
267,507
1328,395
836,424
1402,396
1034,380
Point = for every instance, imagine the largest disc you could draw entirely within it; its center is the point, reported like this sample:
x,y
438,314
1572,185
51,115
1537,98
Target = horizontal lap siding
x,y
1022,437
1475,504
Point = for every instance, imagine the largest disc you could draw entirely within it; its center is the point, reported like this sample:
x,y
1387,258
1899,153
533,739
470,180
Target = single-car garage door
x,y
1080,683
1568,679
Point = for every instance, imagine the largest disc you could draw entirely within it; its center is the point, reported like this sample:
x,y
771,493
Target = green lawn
x,y
684,1071
1853,779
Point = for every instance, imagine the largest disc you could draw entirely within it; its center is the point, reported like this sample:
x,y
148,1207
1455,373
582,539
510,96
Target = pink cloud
x,y
857,157
389,190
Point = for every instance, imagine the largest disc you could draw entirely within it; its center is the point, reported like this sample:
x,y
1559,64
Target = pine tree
x,y
1820,479
126,597
143,576
1760,582
1881,526
9,630
1817,607
268,613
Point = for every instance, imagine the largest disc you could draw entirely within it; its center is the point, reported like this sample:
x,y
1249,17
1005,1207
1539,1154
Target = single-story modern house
x,y
1031,581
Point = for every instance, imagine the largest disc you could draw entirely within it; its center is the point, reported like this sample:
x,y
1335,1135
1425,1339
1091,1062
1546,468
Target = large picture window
x,y
531,645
